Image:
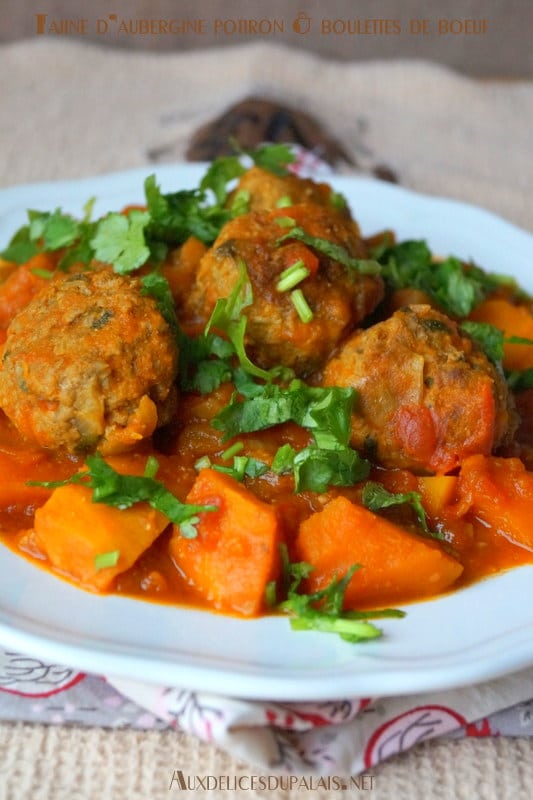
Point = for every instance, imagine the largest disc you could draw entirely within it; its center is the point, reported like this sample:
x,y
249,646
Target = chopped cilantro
x,y
519,380
219,174
123,491
323,610
375,497
20,248
491,339
275,158
487,337
156,285
365,266
326,411
46,232
458,288
228,318
56,229
316,468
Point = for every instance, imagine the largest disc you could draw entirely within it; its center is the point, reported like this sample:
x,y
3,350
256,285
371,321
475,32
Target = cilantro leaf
x,y
519,380
458,288
176,216
323,610
324,410
123,491
228,318
45,232
489,338
56,229
219,174
375,497
317,468
120,241
156,285
275,158
21,247
365,266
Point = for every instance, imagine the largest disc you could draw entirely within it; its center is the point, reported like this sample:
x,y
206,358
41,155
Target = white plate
x,y
475,634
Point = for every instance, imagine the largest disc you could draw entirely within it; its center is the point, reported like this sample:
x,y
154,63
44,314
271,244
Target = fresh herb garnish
x,y
228,318
316,468
458,288
520,379
487,337
242,467
375,497
365,266
120,240
123,491
491,339
323,610
104,560
156,285
324,410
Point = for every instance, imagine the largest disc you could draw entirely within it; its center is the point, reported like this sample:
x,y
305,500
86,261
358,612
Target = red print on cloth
x,y
410,728
31,677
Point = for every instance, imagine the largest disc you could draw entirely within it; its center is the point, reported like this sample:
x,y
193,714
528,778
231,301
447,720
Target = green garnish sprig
x,y
324,411
123,491
455,287
323,610
376,497
364,266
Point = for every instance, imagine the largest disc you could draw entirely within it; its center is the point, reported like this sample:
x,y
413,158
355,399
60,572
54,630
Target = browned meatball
x,y
339,297
89,364
428,397
265,190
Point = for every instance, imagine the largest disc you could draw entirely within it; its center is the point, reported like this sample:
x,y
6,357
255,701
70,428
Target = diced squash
x,y
437,492
395,565
513,320
72,532
236,550
499,493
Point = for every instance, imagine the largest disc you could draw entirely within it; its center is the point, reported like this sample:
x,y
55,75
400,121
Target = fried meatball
x,y
338,296
89,364
265,190
428,397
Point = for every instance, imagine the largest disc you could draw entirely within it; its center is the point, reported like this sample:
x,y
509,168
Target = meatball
x,y
339,297
428,397
265,190
89,364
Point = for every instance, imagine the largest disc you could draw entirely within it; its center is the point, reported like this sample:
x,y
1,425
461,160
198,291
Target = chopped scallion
x,y
284,201
109,559
202,463
292,276
43,273
301,305
232,451
285,222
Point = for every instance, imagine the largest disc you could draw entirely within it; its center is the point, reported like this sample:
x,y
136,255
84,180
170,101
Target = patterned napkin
x,y
342,737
